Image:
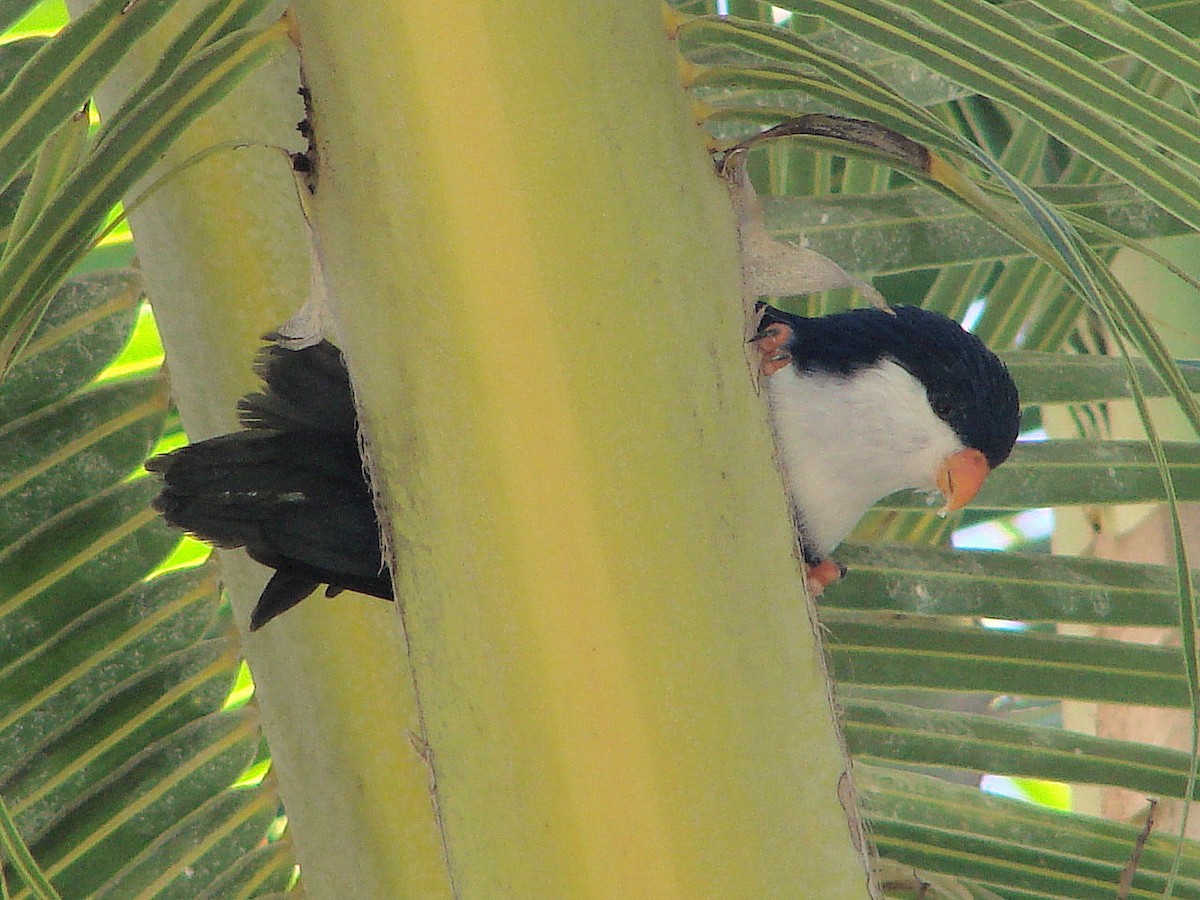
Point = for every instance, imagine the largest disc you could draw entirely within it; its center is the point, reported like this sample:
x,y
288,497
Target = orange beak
x,y
960,477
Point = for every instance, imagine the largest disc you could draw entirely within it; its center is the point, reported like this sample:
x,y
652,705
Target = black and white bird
x,y
871,401
290,487
863,404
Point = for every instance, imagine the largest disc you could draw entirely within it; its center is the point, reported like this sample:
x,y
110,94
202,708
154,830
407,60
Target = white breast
x,y
846,442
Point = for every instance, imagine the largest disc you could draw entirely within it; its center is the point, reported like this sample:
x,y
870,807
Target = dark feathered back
x,y
305,390
290,487
968,386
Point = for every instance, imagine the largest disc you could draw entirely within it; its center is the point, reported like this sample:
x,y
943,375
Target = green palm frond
x,y
1058,119
124,769
117,744
1061,133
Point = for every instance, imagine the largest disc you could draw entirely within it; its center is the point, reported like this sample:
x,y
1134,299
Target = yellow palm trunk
x,y
607,684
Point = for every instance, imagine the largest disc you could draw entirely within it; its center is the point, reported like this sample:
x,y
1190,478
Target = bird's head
x,y
870,401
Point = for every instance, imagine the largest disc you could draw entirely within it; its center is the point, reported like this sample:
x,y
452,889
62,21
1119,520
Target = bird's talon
x,y
823,574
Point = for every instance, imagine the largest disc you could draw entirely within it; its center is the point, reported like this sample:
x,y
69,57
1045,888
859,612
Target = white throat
x,y
845,442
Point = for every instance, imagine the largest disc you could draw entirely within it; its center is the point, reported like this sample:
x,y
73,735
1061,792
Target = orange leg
x,y
771,344
823,574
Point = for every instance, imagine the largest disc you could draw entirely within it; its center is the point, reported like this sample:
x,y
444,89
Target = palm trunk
x,y
606,683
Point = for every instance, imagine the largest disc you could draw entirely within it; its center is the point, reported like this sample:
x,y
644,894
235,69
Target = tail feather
x,y
286,588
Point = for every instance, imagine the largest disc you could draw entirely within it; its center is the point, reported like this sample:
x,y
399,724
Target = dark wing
x,y
304,390
290,488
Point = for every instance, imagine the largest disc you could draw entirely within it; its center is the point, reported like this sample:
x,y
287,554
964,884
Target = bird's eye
x,y
942,409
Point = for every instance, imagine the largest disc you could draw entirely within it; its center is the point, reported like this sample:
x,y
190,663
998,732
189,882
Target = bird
x,y
290,486
870,401
863,403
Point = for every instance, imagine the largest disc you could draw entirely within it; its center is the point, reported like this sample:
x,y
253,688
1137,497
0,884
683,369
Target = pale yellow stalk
x,y
533,272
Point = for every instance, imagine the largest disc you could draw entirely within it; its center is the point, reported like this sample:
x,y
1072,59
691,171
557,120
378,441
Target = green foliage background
x,y
1068,131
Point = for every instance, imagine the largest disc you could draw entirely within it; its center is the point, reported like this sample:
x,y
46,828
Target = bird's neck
x,y
845,442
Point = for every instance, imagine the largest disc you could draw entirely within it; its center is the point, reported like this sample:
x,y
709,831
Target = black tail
x,y
290,488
